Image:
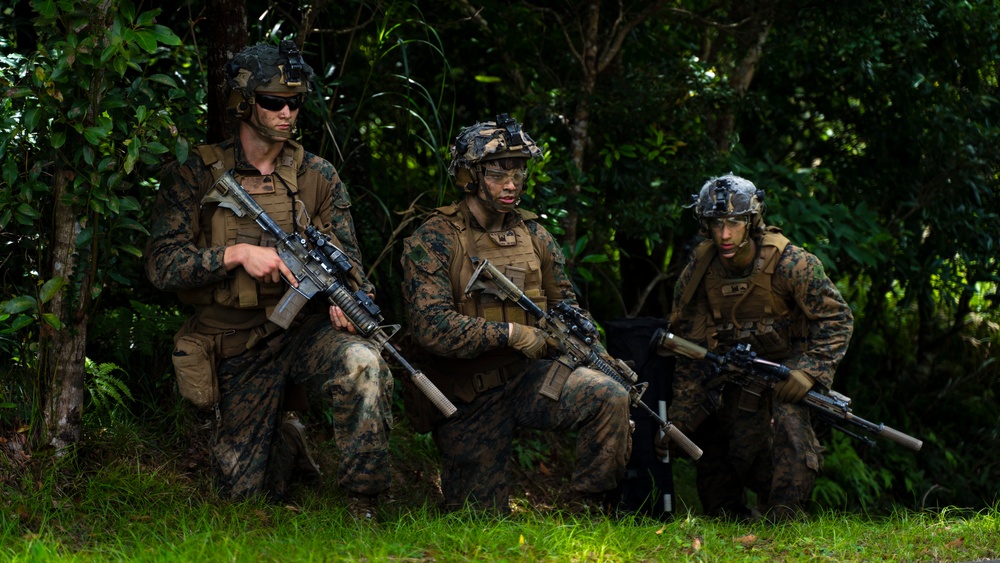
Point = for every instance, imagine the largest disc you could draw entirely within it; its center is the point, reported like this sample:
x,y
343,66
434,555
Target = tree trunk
x,y
597,51
578,150
592,62
752,43
62,351
227,35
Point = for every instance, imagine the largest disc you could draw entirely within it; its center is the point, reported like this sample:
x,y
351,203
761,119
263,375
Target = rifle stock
x,y
833,407
571,331
320,270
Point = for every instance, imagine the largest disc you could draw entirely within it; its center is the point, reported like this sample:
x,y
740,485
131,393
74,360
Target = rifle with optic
x,y
570,332
320,270
742,366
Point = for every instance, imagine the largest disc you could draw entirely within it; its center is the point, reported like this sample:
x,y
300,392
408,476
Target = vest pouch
x,y
491,309
555,380
194,366
541,302
270,290
770,343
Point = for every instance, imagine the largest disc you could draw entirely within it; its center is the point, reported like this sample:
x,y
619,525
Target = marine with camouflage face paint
x,y
485,354
748,285
228,270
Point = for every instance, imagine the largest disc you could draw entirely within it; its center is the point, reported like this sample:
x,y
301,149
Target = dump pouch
x,y
194,365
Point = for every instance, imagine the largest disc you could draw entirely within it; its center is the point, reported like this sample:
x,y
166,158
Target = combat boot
x,y
306,468
580,503
363,508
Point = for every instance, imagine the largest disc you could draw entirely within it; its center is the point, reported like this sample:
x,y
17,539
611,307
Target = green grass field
x,y
124,499
124,515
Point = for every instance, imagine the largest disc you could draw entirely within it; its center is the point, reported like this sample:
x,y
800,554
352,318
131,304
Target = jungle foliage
x,y
873,128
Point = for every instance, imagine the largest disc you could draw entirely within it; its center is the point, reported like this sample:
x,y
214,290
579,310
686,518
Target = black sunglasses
x,y
277,103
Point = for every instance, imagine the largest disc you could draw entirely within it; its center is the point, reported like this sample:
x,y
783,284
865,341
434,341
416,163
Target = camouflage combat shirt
x,y
800,280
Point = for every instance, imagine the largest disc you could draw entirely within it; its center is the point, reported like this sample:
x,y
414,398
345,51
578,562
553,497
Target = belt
x,y
484,381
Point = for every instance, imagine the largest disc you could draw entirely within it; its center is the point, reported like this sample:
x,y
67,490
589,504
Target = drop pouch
x,y
194,366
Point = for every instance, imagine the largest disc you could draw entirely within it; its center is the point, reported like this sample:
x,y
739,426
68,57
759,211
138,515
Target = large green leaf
x,y
20,304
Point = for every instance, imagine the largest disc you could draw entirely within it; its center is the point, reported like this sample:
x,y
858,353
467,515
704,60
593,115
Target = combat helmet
x,y
729,196
490,140
265,68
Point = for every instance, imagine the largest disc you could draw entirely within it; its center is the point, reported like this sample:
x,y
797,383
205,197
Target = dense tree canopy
x,y
872,126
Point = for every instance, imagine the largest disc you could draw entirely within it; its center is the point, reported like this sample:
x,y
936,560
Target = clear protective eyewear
x,y
733,223
500,177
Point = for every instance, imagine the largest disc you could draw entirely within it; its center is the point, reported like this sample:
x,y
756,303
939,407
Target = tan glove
x,y
795,387
530,341
664,446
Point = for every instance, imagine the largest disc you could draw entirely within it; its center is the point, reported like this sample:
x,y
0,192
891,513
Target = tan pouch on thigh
x,y
194,365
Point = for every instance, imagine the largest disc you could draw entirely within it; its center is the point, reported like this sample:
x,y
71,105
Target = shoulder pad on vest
x,y
294,156
526,215
703,254
212,155
448,210
772,244
704,250
776,239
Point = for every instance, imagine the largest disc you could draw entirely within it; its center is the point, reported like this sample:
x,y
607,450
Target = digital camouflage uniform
x,y
255,360
760,443
495,388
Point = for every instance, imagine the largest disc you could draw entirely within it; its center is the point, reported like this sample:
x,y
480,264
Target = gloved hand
x,y
530,341
664,446
795,387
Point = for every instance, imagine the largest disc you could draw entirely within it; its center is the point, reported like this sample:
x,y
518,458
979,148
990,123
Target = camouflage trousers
x,y
341,372
772,451
476,442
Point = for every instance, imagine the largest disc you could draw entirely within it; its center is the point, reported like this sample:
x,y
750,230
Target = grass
x,y
117,500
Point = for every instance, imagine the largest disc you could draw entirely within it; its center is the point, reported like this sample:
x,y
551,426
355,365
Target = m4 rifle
x,y
320,270
742,366
570,332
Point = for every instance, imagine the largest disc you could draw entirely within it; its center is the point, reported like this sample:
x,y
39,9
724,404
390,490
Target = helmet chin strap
x,y
489,203
746,240
273,134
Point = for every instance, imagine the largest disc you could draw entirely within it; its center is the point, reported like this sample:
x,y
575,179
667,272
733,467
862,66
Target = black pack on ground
x,y
648,486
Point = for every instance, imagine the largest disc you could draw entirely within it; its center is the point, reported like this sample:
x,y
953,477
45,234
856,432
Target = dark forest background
x,y
872,127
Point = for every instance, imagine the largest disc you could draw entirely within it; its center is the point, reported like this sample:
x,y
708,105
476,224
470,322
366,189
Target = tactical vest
x,y
746,309
222,227
511,251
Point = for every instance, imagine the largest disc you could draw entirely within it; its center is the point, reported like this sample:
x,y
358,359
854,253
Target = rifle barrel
x,y
880,429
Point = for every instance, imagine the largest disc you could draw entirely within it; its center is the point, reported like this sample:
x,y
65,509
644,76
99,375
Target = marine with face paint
x,y
485,354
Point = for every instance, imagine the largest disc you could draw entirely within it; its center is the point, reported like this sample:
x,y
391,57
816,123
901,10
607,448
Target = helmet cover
x,y
491,140
265,68
728,196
